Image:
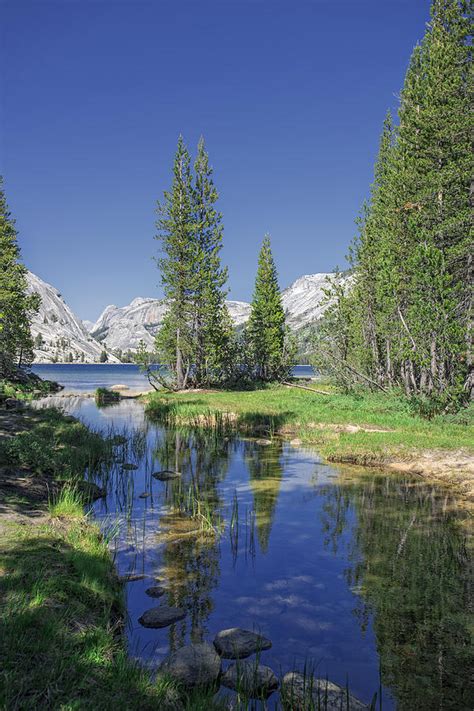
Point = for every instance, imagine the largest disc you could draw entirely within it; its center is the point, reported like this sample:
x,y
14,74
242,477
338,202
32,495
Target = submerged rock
x,y
236,643
131,577
166,475
193,665
145,495
129,467
250,679
161,616
155,591
304,692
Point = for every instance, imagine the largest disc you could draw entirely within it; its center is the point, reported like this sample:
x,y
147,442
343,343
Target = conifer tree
x,y
175,225
411,301
212,324
16,306
195,340
265,333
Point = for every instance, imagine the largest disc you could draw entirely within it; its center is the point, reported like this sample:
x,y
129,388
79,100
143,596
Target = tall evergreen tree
x,y
212,323
16,306
265,333
195,339
410,313
175,225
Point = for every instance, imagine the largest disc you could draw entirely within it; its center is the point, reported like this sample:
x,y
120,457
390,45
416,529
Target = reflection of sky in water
x,y
290,579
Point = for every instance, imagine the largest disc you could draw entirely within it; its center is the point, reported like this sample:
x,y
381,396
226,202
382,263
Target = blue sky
x,y
290,97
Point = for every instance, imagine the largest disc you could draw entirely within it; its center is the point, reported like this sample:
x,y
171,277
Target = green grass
x,y
314,418
55,444
103,396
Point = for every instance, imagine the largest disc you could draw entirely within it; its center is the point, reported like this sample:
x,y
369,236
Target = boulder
x,y
166,475
131,577
129,467
263,442
305,692
155,591
145,495
236,643
254,681
193,665
161,616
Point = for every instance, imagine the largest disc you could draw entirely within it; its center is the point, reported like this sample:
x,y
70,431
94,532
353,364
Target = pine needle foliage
x,y
16,306
408,317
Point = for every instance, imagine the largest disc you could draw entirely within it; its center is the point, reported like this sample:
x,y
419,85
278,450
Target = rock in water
x,y
129,467
252,680
155,591
236,643
161,616
166,475
194,665
300,692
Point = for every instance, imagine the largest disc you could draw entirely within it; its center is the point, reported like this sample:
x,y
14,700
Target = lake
x,y
77,377
361,575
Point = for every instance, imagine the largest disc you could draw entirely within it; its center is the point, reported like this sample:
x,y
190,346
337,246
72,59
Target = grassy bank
x,y
369,429
61,616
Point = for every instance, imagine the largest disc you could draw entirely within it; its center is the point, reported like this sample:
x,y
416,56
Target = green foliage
x,y
103,396
270,352
196,335
54,445
103,357
16,306
406,322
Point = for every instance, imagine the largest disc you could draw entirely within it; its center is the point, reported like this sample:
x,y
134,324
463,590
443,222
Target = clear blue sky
x,y
290,97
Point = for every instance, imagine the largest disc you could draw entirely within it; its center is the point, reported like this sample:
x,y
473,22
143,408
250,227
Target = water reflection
x,y
409,564
366,575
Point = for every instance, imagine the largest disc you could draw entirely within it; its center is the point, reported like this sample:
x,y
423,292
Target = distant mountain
x,y
122,328
59,335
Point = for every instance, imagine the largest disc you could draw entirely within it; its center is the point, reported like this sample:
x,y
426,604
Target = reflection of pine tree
x,y
191,562
265,469
408,558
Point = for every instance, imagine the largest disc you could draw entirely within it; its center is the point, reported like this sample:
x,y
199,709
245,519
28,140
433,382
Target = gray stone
x,y
129,467
155,591
131,577
236,643
161,616
194,665
166,475
264,442
255,681
305,692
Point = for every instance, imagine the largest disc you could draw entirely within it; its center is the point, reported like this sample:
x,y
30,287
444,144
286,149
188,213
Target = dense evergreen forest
x,y
406,319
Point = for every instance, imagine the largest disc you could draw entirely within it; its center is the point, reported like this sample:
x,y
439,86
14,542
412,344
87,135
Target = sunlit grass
x,y
318,419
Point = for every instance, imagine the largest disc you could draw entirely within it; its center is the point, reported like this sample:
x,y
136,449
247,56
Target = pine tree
x,y
212,324
175,344
265,332
16,306
408,318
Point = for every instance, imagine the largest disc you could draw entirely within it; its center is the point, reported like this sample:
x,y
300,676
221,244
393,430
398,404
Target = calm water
x,y
365,576
80,377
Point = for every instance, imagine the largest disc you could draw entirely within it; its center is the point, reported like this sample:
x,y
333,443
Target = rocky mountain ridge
x,y
60,336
